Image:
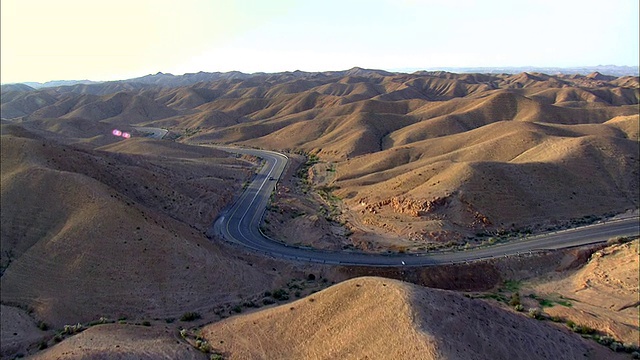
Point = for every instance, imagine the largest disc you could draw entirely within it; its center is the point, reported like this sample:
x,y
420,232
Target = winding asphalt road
x,y
241,225
152,132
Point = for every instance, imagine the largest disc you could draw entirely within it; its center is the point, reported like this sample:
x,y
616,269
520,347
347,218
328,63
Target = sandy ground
x,y
361,310
375,317
603,293
123,342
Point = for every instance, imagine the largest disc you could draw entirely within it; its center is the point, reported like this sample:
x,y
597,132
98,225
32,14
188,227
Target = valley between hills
x,y
115,234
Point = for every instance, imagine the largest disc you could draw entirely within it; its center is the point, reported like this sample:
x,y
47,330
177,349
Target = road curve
x,y
152,132
241,225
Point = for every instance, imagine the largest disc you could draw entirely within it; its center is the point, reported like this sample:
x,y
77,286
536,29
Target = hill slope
x,y
89,233
497,152
375,317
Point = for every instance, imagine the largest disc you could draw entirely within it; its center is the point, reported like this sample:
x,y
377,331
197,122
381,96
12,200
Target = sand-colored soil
x,y
421,160
383,318
603,294
88,234
94,226
123,342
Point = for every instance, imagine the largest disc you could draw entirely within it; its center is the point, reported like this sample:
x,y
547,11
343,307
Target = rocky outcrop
x,y
408,206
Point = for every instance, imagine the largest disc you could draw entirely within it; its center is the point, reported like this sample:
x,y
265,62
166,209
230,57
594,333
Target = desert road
x,y
152,132
241,225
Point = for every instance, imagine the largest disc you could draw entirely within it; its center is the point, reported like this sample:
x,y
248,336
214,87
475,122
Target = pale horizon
x,y
116,40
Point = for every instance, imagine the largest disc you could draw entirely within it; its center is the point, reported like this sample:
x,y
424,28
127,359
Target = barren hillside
x,y
123,342
604,292
93,225
376,317
93,233
433,157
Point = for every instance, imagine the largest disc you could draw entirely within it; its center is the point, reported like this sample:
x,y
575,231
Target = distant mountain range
x,y
170,80
612,70
54,83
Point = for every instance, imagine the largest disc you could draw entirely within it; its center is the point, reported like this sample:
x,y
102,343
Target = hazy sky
x,y
116,39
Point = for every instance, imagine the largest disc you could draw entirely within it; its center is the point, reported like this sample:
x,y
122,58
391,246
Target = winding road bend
x,y
241,225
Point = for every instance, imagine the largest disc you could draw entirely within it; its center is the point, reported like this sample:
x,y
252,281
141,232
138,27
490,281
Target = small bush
x,y
512,285
635,355
190,316
519,308
311,277
570,324
545,302
43,326
628,347
72,329
606,340
616,346
280,294
556,318
43,345
515,299
535,313
169,320
203,346
146,323
237,309
583,329
268,301
618,240
216,357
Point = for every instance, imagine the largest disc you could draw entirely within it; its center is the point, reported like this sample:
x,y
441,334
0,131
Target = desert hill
x,y
375,317
123,342
15,87
116,232
496,151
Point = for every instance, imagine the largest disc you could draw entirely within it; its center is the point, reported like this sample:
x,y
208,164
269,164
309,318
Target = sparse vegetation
x,y
280,294
72,329
512,285
556,318
583,329
535,313
191,131
515,299
550,302
268,301
190,316
621,240
203,346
